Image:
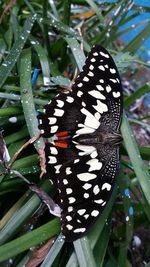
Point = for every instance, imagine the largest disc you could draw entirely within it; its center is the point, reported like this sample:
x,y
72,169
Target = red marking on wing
x,y
62,134
61,144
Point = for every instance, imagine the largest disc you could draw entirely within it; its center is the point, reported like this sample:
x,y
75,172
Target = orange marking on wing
x,y
61,144
62,134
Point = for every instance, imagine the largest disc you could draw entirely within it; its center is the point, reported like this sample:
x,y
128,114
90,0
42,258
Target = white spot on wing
x,y
80,84
79,230
70,209
112,70
94,154
57,167
96,190
58,112
86,186
79,93
60,103
76,160
104,55
52,160
101,107
96,94
85,149
68,170
97,115
95,213
53,150
81,211
69,227
85,79
95,54
86,195
68,191
113,80
91,67
101,67
85,177
90,73
69,99
68,218
71,200
106,186
93,59
99,201
54,129
65,181
52,120
108,88
90,120
99,87
116,94
84,130
95,164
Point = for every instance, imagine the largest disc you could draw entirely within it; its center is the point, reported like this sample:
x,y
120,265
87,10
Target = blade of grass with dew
x,y
14,54
17,98
72,262
54,9
54,251
133,152
101,245
137,94
97,10
59,26
23,214
43,60
77,52
25,162
135,44
84,252
29,240
27,97
125,195
24,260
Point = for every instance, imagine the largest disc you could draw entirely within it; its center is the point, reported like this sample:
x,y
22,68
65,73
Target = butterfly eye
x,y
83,158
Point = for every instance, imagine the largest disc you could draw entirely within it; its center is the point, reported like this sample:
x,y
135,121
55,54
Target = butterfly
x,y
81,132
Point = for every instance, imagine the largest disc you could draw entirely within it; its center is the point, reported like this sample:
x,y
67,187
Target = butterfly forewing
x,y
83,161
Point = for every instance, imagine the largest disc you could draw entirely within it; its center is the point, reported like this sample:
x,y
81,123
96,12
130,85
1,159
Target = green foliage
x,y
48,35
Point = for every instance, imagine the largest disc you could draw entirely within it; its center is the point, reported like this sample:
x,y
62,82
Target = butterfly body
x,y
81,127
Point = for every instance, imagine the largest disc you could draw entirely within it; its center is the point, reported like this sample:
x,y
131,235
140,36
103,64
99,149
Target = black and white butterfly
x,y
82,159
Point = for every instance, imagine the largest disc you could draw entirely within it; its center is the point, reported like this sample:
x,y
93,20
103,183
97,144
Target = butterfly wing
x,y
84,174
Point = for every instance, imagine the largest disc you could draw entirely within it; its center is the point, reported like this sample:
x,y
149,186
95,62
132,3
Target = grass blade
x,y
14,54
29,240
133,152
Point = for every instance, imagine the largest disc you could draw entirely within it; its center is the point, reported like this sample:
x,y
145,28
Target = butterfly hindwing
x,y
82,161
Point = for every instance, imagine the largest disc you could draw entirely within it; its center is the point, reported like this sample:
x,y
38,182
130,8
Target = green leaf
x,y
13,56
134,154
137,94
27,97
84,252
29,240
